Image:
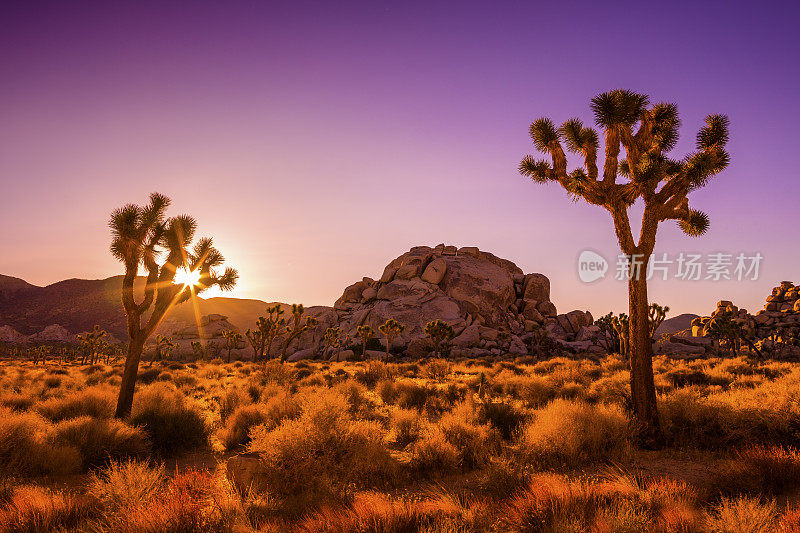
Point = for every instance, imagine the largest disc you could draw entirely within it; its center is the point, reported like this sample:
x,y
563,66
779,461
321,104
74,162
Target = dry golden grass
x,y
434,446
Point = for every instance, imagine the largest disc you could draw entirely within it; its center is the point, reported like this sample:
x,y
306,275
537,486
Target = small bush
x,y
433,454
571,433
322,454
126,484
270,414
759,469
745,515
171,422
148,376
406,426
101,440
504,417
96,402
27,447
34,509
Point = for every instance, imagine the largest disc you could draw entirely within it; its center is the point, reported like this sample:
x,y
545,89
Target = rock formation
x,y
779,319
490,303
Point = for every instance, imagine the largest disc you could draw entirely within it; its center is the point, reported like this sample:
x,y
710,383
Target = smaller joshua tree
x,y
197,349
620,324
297,327
164,347
232,340
656,314
365,333
258,338
274,325
332,339
391,329
440,333
91,342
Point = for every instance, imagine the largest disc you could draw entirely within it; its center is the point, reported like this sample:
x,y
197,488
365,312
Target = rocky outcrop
x,y
53,333
492,305
770,327
10,335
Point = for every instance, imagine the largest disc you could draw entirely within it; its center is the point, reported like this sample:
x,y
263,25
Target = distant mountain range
x,y
79,304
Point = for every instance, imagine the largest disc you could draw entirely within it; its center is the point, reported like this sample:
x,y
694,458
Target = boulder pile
x,y
780,316
491,304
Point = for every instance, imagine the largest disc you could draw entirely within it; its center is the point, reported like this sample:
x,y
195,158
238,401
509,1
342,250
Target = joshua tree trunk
x,y
125,401
640,347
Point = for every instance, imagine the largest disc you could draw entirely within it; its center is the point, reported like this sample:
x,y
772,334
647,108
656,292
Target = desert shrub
x,y
322,454
185,380
270,414
165,376
437,369
17,401
97,402
100,440
230,401
502,478
172,423
190,502
275,372
533,390
759,469
553,503
27,447
433,454
34,509
566,432
372,512
405,394
475,442
126,484
52,382
615,388
148,376
373,372
406,426
502,416
745,515
691,421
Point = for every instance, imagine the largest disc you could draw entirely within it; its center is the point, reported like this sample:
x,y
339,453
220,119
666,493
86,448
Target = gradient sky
x,y
317,141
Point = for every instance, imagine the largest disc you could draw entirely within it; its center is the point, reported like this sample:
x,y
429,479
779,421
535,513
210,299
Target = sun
x,y
187,277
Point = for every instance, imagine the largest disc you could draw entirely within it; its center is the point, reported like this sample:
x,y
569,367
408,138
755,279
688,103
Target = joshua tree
x,y
257,338
197,349
621,325
232,340
275,325
333,339
297,327
440,333
139,235
164,347
656,316
391,328
647,133
91,342
609,337
365,333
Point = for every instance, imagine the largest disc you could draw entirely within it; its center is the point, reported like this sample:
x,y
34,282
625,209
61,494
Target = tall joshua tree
x,y
647,133
140,235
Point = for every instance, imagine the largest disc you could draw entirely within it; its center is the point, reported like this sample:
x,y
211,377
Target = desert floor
x,y
429,445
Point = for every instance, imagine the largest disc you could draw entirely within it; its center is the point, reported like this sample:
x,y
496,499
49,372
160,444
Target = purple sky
x,y
318,141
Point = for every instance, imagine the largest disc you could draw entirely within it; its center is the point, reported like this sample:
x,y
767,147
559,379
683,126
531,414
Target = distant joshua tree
x,y
661,183
92,342
391,329
656,316
365,333
333,339
440,333
297,327
164,347
139,235
232,340
197,349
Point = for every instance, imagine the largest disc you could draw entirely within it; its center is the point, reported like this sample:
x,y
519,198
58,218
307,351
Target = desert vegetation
x,y
480,444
